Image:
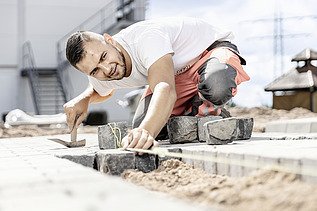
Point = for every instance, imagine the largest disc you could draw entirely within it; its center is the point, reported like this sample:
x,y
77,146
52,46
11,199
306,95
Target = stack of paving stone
x,y
212,130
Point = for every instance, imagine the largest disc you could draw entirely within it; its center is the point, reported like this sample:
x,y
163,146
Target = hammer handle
x,y
73,135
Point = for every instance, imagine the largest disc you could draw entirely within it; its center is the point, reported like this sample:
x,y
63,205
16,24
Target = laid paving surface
x,y
35,177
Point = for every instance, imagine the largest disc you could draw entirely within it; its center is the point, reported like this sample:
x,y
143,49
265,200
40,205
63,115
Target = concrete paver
x,y
304,125
41,181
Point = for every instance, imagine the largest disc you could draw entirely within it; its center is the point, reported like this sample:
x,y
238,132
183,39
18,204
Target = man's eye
x,y
104,56
94,72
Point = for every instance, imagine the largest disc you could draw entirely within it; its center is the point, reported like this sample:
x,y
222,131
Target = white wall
x,y
9,75
45,23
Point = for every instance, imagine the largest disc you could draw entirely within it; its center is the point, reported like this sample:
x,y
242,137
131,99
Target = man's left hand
x,y
139,138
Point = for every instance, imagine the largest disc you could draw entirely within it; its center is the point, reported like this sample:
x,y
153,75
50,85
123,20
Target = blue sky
x,y
239,16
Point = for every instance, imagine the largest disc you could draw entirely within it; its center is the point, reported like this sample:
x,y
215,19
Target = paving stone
x,y
202,136
253,160
236,170
198,164
293,164
223,168
267,161
182,129
221,131
176,150
298,127
209,166
114,161
307,169
111,134
88,160
145,162
188,160
245,127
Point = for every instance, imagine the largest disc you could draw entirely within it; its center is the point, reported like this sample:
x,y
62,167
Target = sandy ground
x,y
264,190
261,116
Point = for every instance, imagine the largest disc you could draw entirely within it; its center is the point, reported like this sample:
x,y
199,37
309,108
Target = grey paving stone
x,y
253,160
308,170
245,127
198,164
209,166
111,134
223,168
188,160
169,149
293,164
236,170
202,136
114,161
221,131
182,129
88,160
145,162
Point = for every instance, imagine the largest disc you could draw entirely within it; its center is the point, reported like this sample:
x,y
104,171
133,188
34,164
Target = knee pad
x,y
216,81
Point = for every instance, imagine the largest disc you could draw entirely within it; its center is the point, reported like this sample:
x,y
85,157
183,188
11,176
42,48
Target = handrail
x,y
30,67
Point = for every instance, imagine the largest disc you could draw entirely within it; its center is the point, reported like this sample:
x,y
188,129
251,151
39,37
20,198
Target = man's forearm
x,y
160,109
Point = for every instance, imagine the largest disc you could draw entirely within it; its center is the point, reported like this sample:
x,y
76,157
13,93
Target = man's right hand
x,y
76,111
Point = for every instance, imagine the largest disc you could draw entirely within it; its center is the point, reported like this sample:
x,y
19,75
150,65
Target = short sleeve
x,y
99,87
152,46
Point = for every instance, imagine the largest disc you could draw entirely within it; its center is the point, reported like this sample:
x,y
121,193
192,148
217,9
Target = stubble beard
x,y
123,67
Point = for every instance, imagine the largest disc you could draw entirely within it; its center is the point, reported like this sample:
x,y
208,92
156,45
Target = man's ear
x,y
109,39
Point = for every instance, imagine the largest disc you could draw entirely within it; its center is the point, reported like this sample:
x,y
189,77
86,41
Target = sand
x,y
264,190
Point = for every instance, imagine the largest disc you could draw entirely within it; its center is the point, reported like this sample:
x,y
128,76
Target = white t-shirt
x,y
147,41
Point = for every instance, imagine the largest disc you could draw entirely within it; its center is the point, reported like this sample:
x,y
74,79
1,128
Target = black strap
x,y
229,45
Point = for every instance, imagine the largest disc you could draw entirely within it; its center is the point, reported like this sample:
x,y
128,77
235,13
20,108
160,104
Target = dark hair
x,y
75,47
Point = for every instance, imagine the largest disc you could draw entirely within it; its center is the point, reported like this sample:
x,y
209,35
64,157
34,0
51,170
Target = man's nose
x,y
105,67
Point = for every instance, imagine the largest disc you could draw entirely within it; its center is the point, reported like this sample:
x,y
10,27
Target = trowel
x,y
73,140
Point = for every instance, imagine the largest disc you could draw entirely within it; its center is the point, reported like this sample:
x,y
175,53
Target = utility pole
x,y
278,36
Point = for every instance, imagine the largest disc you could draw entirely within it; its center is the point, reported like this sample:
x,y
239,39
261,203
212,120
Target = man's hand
x,y
139,138
76,111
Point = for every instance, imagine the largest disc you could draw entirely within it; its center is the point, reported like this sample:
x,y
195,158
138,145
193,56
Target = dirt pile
x,y
266,189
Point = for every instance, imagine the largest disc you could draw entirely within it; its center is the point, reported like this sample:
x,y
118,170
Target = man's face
x,y
102,60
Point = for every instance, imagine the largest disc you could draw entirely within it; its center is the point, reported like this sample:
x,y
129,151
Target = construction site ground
x,y
38,174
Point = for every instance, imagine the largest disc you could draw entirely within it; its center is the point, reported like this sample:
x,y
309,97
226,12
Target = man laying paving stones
x,y
191,69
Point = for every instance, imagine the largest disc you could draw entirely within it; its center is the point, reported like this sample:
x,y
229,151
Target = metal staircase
x,y
46,84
